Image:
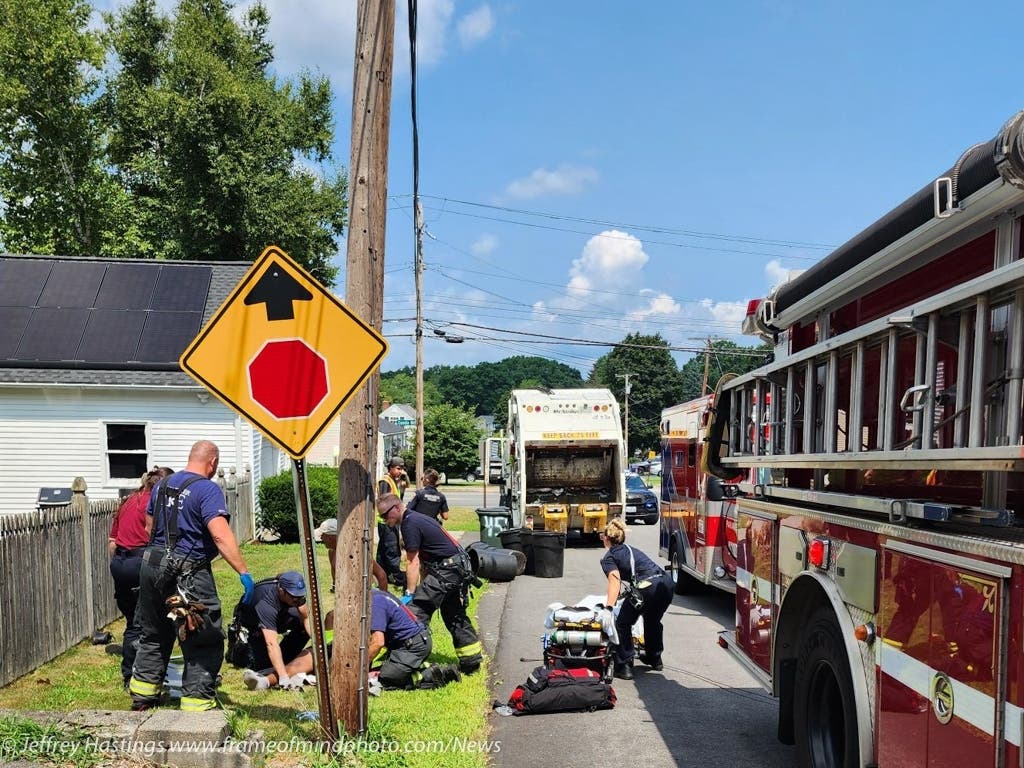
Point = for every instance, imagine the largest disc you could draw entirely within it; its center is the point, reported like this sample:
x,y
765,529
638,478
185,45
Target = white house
x,y
89,378
404,416
390,440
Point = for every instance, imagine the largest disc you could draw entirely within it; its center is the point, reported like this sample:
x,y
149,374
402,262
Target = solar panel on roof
x,y
182,289
12,325
21,281
166,335
111,336
128,286
52,334
72,284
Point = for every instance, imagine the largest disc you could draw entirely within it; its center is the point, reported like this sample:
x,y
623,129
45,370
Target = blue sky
x,y
590,169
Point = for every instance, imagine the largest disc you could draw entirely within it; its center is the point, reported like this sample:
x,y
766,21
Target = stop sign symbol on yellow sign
x,y
284,352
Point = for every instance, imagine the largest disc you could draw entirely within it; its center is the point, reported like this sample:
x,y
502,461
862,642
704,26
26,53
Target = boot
x,y
450,674
654,662
624,671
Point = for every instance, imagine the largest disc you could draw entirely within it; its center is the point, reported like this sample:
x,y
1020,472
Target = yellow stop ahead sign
x,y
284,352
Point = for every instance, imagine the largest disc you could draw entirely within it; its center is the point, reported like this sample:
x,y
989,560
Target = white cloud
x,y
484,245
475,26
610,260
777,274
658,305
564,180
726,311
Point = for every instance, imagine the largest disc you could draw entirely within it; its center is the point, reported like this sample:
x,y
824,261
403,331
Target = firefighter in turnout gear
x,y
438,574
407,643
188,520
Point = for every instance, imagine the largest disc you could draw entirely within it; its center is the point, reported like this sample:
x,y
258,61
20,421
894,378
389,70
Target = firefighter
x,y
278,608
188,519
428,500
389,548
438,576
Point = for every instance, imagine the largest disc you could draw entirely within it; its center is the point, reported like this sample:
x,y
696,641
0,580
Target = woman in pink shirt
x,y
127,542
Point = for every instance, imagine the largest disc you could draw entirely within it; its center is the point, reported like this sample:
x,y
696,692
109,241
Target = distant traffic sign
x,y
284,352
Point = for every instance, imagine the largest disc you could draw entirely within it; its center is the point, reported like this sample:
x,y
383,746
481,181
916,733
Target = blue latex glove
x,y
248,585
406,598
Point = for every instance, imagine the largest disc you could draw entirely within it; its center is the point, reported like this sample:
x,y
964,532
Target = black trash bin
x,y
493,520
548,553
494,563
519,540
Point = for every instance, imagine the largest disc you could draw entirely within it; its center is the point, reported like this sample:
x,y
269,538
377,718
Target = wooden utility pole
x,y
364,295
707,363
627,390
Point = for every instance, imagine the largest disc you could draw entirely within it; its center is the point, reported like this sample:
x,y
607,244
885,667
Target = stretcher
x,y
579,636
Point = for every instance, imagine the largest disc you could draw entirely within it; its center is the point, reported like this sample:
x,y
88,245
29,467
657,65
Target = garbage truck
x,y
564,460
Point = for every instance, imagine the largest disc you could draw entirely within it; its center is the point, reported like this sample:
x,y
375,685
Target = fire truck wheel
x,y
825,715
684,583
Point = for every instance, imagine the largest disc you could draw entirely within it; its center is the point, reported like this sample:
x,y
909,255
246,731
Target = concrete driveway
x,y
703,709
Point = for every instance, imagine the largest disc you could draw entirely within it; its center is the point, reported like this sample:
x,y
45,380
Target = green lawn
x,y
86,677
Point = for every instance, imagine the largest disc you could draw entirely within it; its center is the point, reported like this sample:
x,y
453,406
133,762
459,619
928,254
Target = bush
x,y
277,501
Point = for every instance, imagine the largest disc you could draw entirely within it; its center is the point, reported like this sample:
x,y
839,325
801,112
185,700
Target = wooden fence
x,y
55,584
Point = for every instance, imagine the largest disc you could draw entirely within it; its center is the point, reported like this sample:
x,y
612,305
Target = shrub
x,y
277,501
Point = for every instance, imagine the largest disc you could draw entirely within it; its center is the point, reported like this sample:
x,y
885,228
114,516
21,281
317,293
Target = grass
x,y
37,744
425,722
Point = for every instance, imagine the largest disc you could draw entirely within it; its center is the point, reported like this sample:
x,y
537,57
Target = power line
x,y
641,227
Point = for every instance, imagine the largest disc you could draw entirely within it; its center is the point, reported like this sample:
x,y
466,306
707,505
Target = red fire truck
x,y
879,558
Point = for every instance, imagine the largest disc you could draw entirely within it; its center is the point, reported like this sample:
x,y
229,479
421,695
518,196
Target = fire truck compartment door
x,y
941,623
756,591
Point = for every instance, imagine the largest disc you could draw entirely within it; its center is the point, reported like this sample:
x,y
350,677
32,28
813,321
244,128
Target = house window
x,y
127,452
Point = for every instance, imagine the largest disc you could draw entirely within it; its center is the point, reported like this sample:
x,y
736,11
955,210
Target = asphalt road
x,y
464,495
702,710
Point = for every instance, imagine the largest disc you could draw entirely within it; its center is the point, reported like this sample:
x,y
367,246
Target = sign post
x,y
286,354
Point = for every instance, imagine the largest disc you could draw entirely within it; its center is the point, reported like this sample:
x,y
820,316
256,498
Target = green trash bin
x,y
548,553
493,520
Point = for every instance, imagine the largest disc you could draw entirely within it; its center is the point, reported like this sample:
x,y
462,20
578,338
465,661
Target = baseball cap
x,y
292,583
396,461
328,527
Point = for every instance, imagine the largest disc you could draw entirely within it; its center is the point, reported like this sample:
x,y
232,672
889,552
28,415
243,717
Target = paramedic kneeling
x,y
446,575
278,608
624,565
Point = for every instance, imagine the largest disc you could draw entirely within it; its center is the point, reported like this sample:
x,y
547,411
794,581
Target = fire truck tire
x,y
824,710
684,583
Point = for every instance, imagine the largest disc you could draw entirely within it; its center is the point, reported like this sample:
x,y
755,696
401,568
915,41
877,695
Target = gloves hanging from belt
x,y
188,616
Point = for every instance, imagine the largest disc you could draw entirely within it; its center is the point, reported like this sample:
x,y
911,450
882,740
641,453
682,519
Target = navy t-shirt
x,y
267,611
396,621
429,501
617,559
425,535
202,501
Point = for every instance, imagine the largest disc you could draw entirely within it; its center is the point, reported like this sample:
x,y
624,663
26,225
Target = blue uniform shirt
x,y
425,535
202,501
429,501
396,621
617,559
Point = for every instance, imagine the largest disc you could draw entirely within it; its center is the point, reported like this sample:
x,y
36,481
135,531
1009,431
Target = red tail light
x,y
818,553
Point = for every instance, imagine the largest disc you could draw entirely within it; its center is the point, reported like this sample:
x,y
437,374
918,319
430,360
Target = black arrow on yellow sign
x,y
278,290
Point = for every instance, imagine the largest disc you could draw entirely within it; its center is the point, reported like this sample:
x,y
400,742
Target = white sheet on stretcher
x,y
584,610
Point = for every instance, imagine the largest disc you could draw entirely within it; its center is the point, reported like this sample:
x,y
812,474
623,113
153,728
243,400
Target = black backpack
x,y
562,690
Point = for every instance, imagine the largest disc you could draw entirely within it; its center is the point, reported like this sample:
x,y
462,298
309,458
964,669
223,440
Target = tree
x,y
474,386
451,440
209,144
400,387
726,357
501,406
55,195
655,383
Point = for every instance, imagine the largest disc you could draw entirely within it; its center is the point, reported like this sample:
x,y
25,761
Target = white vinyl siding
x,y
50,435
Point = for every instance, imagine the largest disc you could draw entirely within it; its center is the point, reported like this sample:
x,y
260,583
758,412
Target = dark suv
x,y
641,501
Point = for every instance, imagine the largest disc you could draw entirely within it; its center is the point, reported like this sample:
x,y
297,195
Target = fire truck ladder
x,y
848,403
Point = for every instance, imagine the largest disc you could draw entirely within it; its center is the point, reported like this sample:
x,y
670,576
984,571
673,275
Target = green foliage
x,y
56,196
277,500
474,387
185,146
451,440
726,357
655,383
26,742
400,387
